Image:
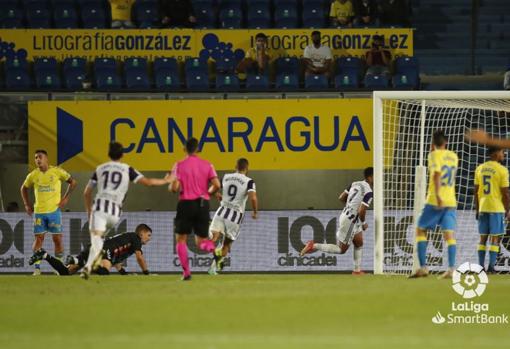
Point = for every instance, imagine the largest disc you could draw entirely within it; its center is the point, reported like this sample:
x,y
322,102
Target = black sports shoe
x,y
186,278
491,271
37,256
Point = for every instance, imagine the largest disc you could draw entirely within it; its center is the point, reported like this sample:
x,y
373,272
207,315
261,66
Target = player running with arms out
x,y
351,223
226,223
491,203
47,182
112,182
441,203
116,249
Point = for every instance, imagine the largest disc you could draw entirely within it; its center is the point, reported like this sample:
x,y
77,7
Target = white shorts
x,y
347,229
102,222
225,226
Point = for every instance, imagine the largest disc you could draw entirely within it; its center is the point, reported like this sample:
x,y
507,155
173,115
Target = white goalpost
x,y
403,125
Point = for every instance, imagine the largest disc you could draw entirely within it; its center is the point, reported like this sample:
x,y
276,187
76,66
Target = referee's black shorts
x,y
192,217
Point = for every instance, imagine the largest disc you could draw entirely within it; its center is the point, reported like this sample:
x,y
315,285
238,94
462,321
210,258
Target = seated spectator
x,y
258,58
378,59
394,13
317,58
121,13
366,12
177,13
341,13
12,207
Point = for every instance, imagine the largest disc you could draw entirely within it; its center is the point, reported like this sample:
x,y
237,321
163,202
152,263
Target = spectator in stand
x,y
257,58
341,13
317,58
394,13
506,81
378,59
121,14
177,13
366,13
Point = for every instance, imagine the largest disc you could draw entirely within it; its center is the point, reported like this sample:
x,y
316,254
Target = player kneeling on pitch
x,y
351,223
116,250
226,223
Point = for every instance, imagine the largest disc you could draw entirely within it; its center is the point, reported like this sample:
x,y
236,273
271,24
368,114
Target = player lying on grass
x,y
351,222
116,249
226,223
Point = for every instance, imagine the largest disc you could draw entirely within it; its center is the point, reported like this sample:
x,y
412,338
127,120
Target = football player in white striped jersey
x,y
351,222
226,223
112,182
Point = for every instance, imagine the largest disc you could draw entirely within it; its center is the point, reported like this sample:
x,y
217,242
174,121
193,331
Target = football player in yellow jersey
x,y
491,203
46,181
440,207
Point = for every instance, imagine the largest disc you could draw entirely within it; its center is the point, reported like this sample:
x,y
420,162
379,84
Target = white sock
x,y
329,248
96,245
357,258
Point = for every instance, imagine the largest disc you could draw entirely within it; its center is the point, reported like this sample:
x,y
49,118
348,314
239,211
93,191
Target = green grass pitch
x,y
241,311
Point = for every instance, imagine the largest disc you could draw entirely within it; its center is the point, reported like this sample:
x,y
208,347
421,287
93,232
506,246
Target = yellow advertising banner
x,y
183,43
273,135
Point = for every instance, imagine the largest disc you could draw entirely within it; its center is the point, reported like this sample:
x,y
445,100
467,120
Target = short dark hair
x,y
261,36
42,151
191,145
142,227
316,32
438,138
115,150
368,172
12,207
242,164
491,150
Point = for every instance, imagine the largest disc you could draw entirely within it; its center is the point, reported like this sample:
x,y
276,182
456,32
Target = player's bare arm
x,y
215,186
254,204
477,200
437,186
343,196
71,185
87,196
152,182
141,262
362,213
26,200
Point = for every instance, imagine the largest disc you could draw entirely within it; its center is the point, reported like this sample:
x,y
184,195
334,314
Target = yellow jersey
x,y
47,186
121,9
252,53
341,11
490,177
445,162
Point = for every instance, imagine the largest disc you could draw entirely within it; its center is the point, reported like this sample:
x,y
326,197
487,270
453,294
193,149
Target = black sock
x,y
57,265
102,271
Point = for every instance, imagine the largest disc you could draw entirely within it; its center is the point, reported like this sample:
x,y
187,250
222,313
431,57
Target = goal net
x,y
403,126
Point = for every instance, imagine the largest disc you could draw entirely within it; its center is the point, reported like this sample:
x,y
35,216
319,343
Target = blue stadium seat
x,y
287,65
165,63
38,14
75,63
65,15
107,81
167,80
46,80
15,64
17,80
105,64
404,81
195,65
408,67
197,81
137,79
349,64
256,82
204,12
376,81
285,14
146,14
258,10
135,64
45,64
11,15
225,65
231,23
227,82
314,23
93,15
314,15
74,79
316,82
287,82
259,23
347,80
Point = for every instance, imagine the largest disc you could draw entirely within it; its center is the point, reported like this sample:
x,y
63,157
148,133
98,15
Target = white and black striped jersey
x,y
359,193
112,182
236,187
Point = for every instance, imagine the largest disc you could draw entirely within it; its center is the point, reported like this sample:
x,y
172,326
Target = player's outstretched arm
x,y
72,183
151,182
252,195
141,262
26,201
482,137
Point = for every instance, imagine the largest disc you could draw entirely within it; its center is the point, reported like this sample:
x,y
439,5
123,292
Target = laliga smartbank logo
x,y
469,281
